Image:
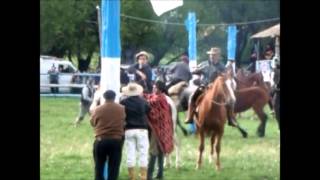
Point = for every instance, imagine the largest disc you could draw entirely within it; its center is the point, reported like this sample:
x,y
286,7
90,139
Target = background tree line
x,y
69,28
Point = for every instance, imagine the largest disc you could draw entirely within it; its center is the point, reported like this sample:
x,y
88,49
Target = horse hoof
x,y
218,168
261,135
245,135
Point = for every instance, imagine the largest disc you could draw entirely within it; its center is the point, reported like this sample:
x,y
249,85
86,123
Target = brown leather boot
x,y
143,173
131,173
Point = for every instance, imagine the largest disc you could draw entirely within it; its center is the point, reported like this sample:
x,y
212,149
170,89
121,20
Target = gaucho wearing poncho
x,y
160,121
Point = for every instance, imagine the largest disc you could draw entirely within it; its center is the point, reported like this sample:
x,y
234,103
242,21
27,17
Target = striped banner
x,y
232,42
192,36
110,46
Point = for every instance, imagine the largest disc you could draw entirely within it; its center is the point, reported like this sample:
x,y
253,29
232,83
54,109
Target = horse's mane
x,y
216,86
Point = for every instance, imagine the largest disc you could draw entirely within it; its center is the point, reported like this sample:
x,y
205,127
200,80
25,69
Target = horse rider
x,y
180,71
210,71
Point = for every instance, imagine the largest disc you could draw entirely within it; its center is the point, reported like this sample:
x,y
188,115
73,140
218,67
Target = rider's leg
x,y
191,104
172,83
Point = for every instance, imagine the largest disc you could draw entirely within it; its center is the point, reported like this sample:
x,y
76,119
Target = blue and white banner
x,y
110,46
232,42
192,36
162,6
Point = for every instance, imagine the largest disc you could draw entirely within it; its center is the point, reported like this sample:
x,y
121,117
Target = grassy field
x,y
66,151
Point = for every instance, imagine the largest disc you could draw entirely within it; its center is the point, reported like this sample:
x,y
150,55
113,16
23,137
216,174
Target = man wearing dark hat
x,y
108,122
142,71
210,71
181,72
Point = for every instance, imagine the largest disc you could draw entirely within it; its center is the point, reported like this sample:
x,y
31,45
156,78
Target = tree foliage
x,y
69,28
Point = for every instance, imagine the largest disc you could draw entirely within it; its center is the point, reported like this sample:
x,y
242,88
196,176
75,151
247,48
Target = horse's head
x,y
222,89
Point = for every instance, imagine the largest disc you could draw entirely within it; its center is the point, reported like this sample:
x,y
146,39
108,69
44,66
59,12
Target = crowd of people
x,y
133,121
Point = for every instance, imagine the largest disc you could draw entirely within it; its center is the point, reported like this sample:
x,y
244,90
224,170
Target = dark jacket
x,y
210,71
108,120
146,69
136,110
181,71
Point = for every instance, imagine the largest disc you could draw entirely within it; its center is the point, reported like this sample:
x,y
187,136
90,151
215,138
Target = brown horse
x,y
254,97
211,117
253,79
245,80
253,92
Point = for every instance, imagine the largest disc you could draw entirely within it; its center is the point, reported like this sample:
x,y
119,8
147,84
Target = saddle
x,y
197,98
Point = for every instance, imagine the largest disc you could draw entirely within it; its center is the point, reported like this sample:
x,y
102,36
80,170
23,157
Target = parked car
x,y
65,75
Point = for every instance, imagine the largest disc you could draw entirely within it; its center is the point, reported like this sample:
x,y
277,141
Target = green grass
x,y
66,152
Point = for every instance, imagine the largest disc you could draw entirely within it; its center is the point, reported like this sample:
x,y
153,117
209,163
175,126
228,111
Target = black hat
x,y
109,95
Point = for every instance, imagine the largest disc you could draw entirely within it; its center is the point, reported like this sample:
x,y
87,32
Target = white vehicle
x,y
65,75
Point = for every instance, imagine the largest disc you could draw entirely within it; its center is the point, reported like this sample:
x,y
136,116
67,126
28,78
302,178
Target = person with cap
x,y
108,121
136,129
210,71
180,71
85,100
142,71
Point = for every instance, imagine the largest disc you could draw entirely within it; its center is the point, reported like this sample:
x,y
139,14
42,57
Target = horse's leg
x,y
177,148
217,149
263,119
201,148
167,161
242,131
211,159
184,131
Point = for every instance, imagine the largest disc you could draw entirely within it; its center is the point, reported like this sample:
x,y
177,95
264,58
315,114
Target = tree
x,y
69,28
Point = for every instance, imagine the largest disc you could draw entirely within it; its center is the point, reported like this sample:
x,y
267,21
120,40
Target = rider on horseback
x,y
210,70
180,71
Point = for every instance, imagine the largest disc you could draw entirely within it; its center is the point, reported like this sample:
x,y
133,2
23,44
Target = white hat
x,y
142,53
132,89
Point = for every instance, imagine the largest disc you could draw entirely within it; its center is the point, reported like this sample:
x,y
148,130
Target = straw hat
x,y
132,89
214,50
142,53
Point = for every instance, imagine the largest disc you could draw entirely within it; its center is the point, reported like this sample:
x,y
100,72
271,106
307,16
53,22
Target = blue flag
x,y
232,42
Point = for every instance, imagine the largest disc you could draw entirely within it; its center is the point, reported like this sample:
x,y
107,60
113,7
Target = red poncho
x,y
160,121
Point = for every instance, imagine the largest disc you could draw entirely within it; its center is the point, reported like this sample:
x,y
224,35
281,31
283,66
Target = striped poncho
x,y
160,121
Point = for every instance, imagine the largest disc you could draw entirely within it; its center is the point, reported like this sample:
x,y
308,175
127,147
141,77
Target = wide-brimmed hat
x,y
132,89
142,53
214,50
